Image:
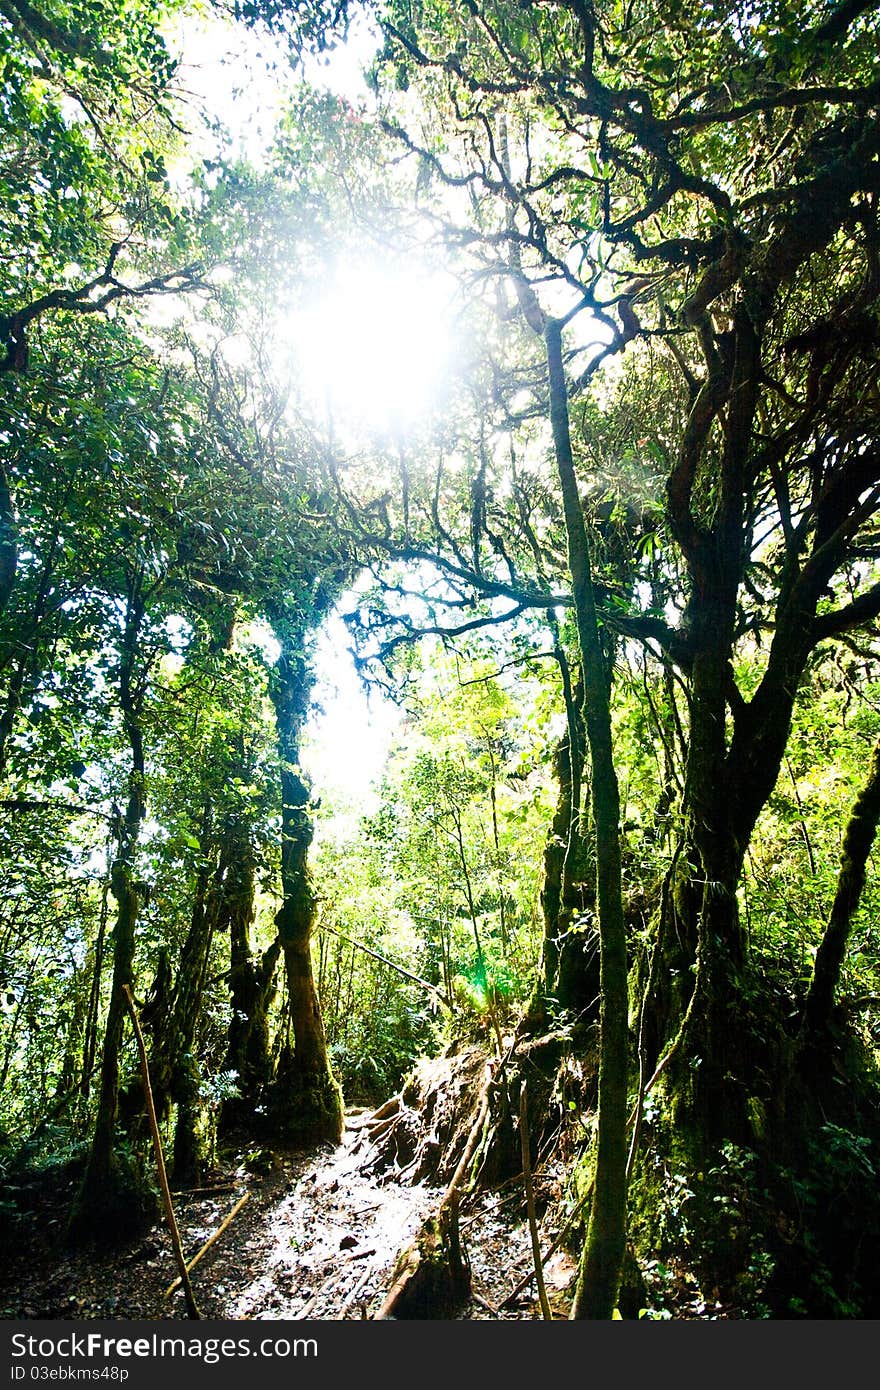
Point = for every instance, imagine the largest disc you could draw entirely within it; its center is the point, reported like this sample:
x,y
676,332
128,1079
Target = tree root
x,y
432,1277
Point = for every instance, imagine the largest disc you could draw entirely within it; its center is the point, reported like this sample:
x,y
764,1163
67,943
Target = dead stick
x,y
204,1191
175,1284
191,1306
551,1249
530,1203
484,1303
471,1145
401,969
344,1307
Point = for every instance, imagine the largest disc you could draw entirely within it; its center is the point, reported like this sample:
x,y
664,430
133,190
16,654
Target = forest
x,y
439,659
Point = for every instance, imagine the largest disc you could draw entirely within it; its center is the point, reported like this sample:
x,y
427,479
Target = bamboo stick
x,y
530,1203
551,1249
191,1305
185,1193
175,1283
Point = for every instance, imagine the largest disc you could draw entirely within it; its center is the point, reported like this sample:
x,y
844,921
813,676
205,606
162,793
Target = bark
x,y
305,1104
252,986
25,653
602,1261
568,766
108,1203
570,957
183,1068
90,1037
70,1077
857,842
173,1063
732,765
8,541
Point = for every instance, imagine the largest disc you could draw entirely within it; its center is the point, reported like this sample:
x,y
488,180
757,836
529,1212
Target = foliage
x,y
685,199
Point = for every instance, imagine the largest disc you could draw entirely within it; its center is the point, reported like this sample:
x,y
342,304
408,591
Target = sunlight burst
x,y
375,345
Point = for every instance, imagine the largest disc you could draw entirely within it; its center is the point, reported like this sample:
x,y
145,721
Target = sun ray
x,y
374,345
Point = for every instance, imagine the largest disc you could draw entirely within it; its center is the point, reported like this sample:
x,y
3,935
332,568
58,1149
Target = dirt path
x,y
317,1238
329,1244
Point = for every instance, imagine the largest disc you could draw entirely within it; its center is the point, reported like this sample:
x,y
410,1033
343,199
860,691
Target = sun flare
x,y
374,345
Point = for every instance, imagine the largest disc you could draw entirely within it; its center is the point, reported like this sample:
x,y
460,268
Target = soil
x,y
317,1238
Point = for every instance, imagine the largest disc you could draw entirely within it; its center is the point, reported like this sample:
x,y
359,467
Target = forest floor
x,y
317,1238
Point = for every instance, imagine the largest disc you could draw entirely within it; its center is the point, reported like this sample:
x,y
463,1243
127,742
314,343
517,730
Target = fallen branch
x,y
484,1303
392,965
315,1298
353,1295
176,1283
204,1191
333,1278
191,1305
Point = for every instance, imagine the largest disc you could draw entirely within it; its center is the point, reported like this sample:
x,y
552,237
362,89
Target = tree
x,y
604,160
88,215
656,472
305,1101
857,842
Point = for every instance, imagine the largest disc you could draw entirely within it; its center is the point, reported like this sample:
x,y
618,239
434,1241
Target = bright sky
x,y
226,71
370,347
376,345
348,735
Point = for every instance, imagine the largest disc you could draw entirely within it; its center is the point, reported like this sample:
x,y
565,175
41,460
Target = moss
x,y
757,1112
784,1223
428,1276
115,1205
307,1110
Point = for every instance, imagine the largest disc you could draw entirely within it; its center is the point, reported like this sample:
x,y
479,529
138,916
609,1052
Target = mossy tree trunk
x,y
735,747
223,902
251,985
857,841
70,1076
602,1261
171,1012
8,540
182,1064
305,1102
90,1034
110,1202
568,891
24,652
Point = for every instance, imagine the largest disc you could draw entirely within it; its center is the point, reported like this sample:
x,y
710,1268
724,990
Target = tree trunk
x,y
305,1103
90,1038
602,1261
251,985
8,541
184,1071
111,1202
857,842
568,891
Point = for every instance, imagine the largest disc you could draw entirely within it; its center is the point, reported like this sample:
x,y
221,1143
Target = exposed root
x,y
418,1135
432,1277
458,1120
